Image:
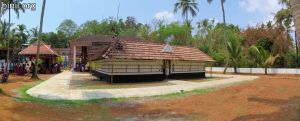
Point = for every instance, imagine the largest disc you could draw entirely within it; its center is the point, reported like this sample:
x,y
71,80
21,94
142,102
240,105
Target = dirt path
x,y
268,99
275,98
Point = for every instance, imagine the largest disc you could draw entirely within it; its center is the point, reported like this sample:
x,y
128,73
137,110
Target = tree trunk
x,y
8,41
188,27
297,50
266,71
6,70
235,69
295,7
34,74
225,38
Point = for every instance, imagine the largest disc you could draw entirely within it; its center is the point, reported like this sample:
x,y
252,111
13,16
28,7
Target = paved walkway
x,y
57,88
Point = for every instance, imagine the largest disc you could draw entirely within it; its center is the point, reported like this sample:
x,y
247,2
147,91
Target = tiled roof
x,y
88,40
147,50
44,49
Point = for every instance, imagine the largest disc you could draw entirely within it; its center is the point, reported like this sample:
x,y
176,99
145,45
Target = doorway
x,y
167,68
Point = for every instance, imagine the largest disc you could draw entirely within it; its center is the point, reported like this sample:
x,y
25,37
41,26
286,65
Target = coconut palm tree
x,y
205,26
15,42
22,33
17,12
33,34
34,74
4,33
283,19
263,57
235,51
186,7
225,35
4,36
296,14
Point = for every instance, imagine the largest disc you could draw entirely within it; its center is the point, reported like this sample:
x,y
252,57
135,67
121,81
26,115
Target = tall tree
x,y
17,11
34,74
68,27
295,11
225,38
4,33
187,7
205,26
33,32
22,33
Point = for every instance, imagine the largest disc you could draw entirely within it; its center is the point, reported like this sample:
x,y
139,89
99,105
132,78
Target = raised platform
x,y
125,78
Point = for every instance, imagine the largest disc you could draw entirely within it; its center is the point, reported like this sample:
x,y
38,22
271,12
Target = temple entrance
x,y
82,63
84,55
167,68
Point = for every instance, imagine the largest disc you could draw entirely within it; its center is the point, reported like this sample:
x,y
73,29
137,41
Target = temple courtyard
x,y
258,97
58,87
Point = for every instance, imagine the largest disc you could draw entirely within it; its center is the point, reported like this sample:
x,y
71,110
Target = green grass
x,y
1,91
27,98
185,93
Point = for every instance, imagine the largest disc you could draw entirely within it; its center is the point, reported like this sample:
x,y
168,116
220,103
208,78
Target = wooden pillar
x,y
74,58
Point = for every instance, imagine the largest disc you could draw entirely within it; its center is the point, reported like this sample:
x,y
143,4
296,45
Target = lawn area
x,y
277,97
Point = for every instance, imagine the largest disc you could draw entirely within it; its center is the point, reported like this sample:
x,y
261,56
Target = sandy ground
x,y
270,98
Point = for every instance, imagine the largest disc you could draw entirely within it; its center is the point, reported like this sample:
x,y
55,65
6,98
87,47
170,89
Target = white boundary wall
x,y
255,70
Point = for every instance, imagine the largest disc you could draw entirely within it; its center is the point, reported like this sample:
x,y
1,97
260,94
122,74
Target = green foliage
x,y
219,58
56,40
175,29
60,59
205,26
40,61
187,7
1,91
262,57
185,93
33,32
209,37
284,18
266,44
204,48
235,51
68,27
128,28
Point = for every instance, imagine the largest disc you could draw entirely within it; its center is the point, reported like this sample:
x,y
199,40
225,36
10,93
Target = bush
x,y
219,58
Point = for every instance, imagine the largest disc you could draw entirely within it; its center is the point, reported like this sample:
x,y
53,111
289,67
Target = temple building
x,y
133,60
47,56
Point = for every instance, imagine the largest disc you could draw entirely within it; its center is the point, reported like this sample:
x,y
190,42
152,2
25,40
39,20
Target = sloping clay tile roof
x,y
44,50
147,50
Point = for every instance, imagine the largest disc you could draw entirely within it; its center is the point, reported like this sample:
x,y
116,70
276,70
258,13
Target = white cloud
x,y
263,6
165,16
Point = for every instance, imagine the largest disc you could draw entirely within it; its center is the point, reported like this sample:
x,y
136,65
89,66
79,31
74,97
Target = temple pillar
x,y
74,58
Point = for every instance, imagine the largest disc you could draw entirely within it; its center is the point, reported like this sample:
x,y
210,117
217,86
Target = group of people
x,y
54,68
24,67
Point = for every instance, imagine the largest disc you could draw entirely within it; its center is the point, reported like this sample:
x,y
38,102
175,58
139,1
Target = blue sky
x,y
239,12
